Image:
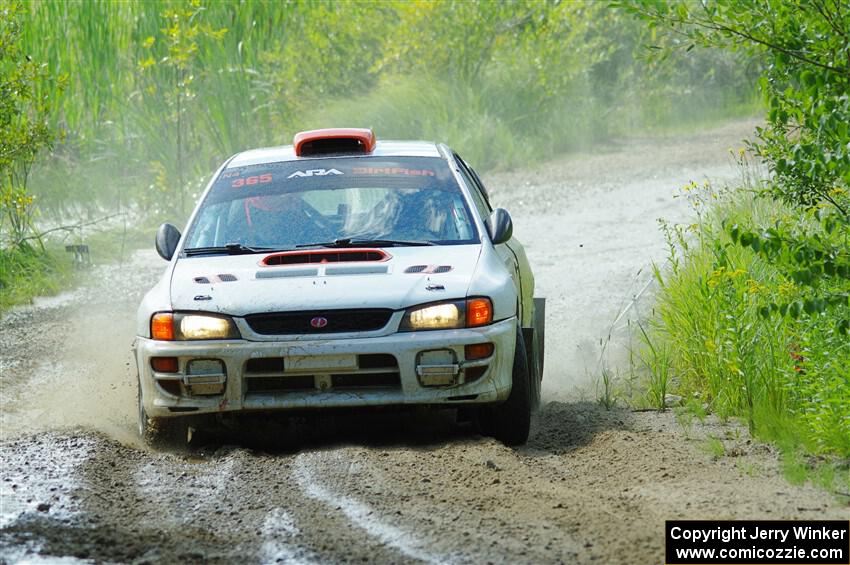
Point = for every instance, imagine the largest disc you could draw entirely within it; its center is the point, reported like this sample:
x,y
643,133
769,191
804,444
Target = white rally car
x,y
341,271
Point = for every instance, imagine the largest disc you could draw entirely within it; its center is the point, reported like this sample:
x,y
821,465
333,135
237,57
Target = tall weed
x,y
788,377
155,101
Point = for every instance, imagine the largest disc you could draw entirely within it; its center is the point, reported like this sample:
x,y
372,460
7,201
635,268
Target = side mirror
x,y
500,225
167,238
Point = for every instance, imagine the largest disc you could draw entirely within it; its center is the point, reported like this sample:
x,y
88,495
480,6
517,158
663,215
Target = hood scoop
x,y
325,256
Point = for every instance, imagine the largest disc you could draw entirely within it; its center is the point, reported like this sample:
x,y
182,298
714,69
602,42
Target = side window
x,y
480,186
476,189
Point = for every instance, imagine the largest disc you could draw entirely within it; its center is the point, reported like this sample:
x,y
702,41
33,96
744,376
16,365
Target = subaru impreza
x,y
341,271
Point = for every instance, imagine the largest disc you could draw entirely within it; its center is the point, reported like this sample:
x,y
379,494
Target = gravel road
x,y
592,485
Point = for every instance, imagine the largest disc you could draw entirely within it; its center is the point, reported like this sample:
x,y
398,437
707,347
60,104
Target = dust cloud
x,y
589,224
66,360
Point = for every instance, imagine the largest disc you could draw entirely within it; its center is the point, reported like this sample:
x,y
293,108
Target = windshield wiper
x,y
229,249
357,242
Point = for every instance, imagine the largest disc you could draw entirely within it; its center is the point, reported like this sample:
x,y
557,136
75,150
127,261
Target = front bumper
x,y
329,367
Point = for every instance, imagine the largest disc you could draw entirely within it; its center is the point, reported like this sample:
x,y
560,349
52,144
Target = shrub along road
x,y
591,485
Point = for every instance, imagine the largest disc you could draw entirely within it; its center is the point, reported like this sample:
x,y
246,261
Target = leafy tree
x,y
174,84
806,82
24,129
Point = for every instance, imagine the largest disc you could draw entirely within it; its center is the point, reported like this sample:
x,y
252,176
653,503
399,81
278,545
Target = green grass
x,y
788,379
30,271
605,394
27,272
714,447
656,359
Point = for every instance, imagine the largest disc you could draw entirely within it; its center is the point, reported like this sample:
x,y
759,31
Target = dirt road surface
x,y
591,485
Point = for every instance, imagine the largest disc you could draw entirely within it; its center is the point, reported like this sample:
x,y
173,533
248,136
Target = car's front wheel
x,y
510,421
161,432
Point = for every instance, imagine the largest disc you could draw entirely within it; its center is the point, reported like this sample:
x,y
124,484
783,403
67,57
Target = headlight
x,y
176,326
468,313
438,316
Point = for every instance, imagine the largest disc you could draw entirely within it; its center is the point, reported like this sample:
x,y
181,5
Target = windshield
x,y
287,204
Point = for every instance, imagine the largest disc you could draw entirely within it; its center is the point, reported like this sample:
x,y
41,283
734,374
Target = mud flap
x,y
533,340
534,348
540,329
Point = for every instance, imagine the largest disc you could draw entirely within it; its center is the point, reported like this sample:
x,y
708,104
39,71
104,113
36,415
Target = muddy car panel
x,y
334,369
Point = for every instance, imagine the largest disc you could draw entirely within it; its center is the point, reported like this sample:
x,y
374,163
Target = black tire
x,y
161,433
511,420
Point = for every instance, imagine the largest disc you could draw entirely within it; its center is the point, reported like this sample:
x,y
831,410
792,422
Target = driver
x,y
280,220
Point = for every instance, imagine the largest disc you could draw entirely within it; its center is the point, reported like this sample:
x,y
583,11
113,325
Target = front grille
x,y
264,365
319,321
366,380
280,384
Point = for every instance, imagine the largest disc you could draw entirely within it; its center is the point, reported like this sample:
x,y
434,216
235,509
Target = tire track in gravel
x,y
312,481
444,498
228,505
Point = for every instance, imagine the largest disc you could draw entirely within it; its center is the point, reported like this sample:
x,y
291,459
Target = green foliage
x,y
161,92
812,251
759,307
24,130
411,108
788,376
167,81
806,47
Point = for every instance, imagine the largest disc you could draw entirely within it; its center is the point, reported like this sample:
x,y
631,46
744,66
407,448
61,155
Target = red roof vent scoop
x,y
334,140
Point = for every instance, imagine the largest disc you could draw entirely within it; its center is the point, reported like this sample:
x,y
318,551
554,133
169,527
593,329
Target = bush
x,y
788,375
757,308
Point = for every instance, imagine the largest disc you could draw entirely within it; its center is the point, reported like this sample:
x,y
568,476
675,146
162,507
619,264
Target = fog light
x,y
437,368
478,351
165,364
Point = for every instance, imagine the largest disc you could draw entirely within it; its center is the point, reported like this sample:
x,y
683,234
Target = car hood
x,y
241,284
